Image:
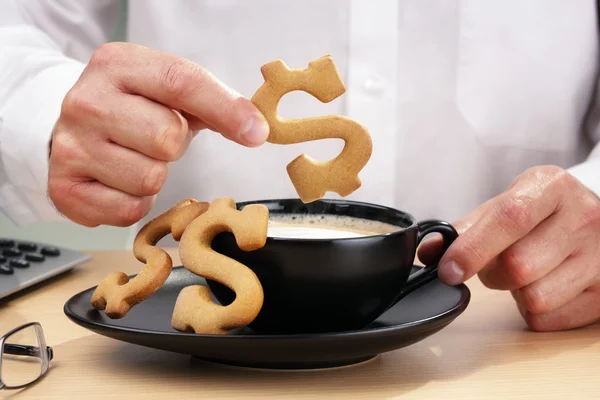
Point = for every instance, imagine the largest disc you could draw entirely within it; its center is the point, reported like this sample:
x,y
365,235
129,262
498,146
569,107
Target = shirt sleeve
x,y
588,172
44,47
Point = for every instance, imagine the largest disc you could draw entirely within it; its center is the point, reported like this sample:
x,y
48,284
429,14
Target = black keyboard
x,y
25,263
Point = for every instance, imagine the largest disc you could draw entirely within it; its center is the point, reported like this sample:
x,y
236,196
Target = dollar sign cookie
x,y
312,178
116,294
194,309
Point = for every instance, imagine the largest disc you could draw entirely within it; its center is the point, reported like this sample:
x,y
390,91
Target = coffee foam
x,y
310,226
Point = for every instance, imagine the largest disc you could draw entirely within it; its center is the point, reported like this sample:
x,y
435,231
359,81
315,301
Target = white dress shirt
x,y
460,96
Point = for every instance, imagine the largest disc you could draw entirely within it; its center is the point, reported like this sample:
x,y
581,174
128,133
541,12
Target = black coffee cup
x,y
333,285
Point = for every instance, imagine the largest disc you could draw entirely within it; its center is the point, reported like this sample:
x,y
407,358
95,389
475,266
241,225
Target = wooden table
x,y
487,353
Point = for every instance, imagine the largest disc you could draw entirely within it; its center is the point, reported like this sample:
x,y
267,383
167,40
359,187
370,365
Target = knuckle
x,y
552,172
590,213
177,78
517,266
557,178
544,173
131,211
154,179
106,54
56,193
78,104
169,141
533,300
64,148
537,323
71,102
515,214
74,190
64,195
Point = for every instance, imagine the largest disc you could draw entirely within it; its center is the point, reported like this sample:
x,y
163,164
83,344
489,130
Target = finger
x,y
508,218
132,121
183,85
581,311
195,124
533,256
123,169
431,247
91,203
148,127
559,287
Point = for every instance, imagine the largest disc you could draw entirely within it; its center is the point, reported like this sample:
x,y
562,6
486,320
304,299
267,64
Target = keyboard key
x,y
37,257
18,263
7,243
27,246
50,251
6,270
12,252
2,259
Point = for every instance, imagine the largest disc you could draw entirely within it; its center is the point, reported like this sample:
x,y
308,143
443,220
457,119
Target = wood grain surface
x,y
487,353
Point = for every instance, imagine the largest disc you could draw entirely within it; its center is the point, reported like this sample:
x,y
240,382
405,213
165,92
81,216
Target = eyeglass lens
x,y
22,357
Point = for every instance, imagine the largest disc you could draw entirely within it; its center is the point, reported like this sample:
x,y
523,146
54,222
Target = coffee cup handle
x,y
429,272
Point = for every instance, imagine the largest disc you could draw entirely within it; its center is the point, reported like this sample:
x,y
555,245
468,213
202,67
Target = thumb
x,y
225,111
251,131
250,128
430,248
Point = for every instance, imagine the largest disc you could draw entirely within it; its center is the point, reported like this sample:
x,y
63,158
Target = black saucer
x,y
417,316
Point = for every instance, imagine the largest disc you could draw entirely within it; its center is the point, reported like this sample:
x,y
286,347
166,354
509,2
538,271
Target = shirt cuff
x,y
25,128
588,173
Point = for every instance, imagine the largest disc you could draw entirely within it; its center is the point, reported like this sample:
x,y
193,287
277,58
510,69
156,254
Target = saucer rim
x,y
440,318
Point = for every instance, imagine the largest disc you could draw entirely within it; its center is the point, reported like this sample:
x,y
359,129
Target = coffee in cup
x,y
309,226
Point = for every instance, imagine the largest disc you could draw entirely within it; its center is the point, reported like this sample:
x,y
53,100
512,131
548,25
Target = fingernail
x,y
451,273
255,130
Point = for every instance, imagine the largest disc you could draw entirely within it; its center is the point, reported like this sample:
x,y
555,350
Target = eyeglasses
x,y
24,356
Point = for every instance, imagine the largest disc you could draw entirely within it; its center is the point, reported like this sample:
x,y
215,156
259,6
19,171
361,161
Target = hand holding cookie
x,y
133,111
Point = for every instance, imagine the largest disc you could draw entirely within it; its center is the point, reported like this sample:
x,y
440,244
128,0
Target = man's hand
x,y
132,111
541,240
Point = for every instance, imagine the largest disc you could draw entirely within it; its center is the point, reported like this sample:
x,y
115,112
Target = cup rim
x,y
401,230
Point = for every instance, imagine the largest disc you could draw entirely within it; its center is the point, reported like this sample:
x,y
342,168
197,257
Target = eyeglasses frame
x,y
45,356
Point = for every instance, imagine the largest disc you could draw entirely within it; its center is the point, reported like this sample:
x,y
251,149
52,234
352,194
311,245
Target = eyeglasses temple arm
x,y
26,350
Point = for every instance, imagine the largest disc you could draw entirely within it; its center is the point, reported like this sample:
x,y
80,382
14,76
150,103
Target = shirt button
x,y
374,85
